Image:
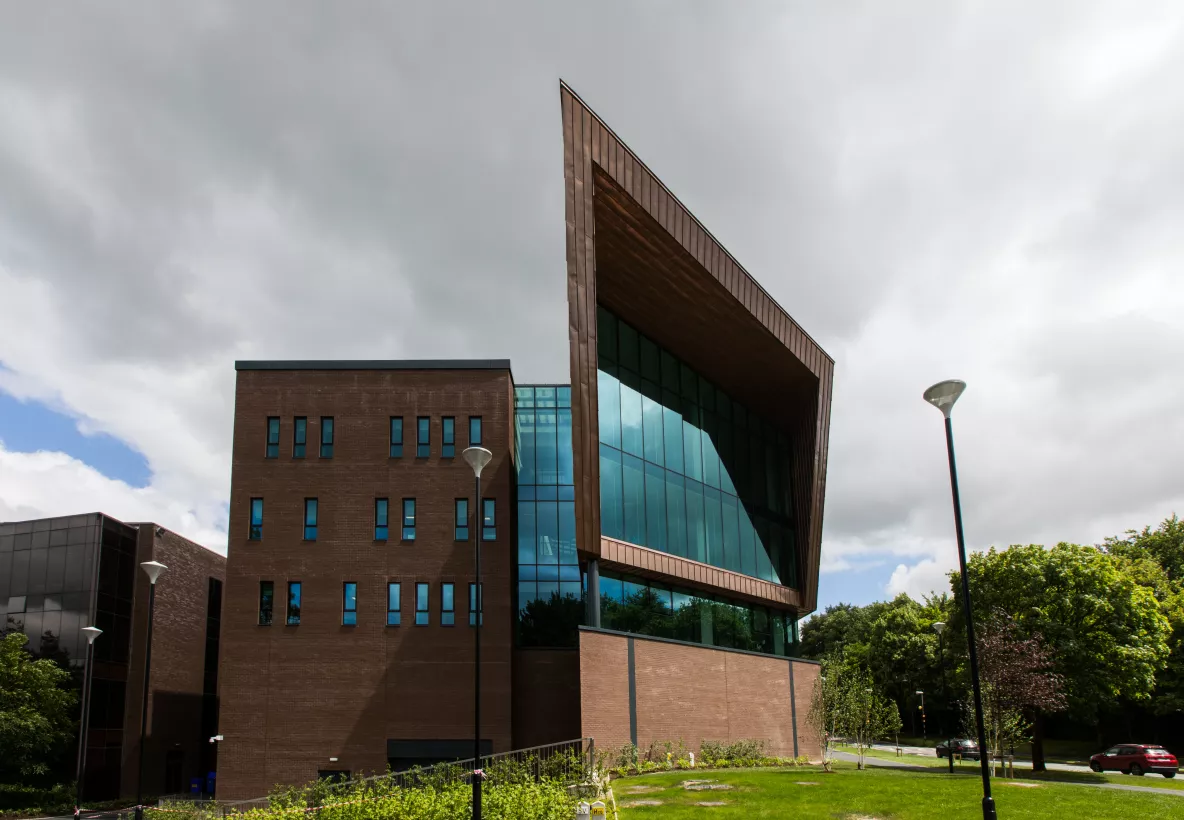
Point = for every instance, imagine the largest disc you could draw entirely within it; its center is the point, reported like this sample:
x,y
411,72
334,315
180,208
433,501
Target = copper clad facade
x,y
635,249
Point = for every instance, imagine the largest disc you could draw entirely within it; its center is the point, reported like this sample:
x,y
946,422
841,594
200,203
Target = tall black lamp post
x,y
153,569
91,632
477,458
939,628
942,396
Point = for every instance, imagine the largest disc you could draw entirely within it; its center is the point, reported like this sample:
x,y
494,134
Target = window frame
x,y
426,612
480,438
299,432
255,530
473,603
407,532
489,513
346,610
273,447
316,518
396,446
460,531
382,519
447,610
326,449
288,616
397,612
448,437
270,616
423,446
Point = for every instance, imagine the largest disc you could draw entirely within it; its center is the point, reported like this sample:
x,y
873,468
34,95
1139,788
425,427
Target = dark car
x,y
1136,759
967,748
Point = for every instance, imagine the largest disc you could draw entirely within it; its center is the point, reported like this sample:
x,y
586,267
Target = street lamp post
x,y
91,632
942,396
153,569
924,731
477,458
939,627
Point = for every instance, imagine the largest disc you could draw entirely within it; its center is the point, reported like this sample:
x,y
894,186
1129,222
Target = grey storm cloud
x,y
931,189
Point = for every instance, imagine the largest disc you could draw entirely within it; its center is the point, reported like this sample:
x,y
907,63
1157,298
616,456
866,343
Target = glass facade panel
x,y
310,519
408,519
396,436
474,431
266,602
461,524
293,603
273,436
448,604
724,495
326,437
299,436
256,531
381,519
549,581
423,437
422,615
349,604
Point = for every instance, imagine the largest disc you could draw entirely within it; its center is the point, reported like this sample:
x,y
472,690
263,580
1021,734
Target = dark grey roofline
x,y
376,364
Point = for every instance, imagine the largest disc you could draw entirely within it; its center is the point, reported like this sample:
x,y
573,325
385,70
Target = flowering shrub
x,y
667,755
511,790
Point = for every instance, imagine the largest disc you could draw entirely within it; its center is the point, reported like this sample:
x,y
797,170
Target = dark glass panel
x,y
524,420
710,455
696,522
633,491
612,492
715,529
676,514
526,533
38,562
547,513
651,367
567,532
630,350
566,468
748,564
546,454
731,528
655,508
670,372
606,334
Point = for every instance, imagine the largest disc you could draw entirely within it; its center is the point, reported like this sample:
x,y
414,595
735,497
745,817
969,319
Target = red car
x,y
1136,759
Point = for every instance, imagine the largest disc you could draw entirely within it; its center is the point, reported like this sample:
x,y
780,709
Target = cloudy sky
x,y
988,191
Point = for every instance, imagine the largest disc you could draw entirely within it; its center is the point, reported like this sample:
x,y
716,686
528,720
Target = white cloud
x,y
45,484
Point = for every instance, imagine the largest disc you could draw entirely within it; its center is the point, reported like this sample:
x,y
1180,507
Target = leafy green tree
x,y
553,623
35,720
1105,631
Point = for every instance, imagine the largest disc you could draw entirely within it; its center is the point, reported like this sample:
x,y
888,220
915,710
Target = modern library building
x,y
649,532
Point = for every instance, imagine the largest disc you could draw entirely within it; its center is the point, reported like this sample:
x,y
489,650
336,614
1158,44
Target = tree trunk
x,y
1038,741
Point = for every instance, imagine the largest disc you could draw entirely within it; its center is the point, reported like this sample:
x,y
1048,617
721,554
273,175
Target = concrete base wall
x,y
672,691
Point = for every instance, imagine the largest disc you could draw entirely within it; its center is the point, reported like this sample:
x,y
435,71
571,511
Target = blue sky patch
x,y
28,426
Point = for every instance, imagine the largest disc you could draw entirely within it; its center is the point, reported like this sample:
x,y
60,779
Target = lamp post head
x,y
91,632
943,395
477,457
920,691
939,627
154,569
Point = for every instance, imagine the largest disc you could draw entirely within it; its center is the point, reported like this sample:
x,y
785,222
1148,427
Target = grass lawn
x,y
875,794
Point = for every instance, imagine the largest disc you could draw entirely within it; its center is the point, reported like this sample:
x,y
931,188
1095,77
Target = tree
x,y
35,721
552,623
1105,632
1017,677
848,700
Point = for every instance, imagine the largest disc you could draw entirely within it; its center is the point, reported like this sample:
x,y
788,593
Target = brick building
x,y
650,532
58,575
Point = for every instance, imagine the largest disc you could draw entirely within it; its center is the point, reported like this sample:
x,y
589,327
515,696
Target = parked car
x,y
1136,759
967,748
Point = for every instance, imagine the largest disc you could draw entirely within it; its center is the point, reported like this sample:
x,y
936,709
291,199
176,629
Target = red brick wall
x,y
546,696
692,693
294,696
178,658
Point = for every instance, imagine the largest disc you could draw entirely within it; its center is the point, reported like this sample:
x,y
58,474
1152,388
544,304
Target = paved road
x,y
922,751
903,764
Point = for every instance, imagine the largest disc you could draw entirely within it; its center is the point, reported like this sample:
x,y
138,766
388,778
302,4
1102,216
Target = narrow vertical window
x,y
448,437
293,603
299,436
256,532
349,604
396,436
266,602
489,520
408,519
422,617
462,520
310,519
394,615
448,604
473,604
474,431
273,436
381,519
326,437
423,437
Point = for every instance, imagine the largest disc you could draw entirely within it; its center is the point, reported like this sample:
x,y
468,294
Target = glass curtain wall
x,y
685,469
550,584
649,608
